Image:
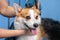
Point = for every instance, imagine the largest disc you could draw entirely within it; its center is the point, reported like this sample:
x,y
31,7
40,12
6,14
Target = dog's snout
x,y
35,25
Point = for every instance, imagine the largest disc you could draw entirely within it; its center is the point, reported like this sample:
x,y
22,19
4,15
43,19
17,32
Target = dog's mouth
x,y
32,30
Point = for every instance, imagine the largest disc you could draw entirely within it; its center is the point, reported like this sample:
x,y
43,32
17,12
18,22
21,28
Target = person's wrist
x,y
22,32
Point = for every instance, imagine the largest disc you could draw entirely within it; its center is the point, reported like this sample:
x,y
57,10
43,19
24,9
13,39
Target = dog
x,y
50,29
27,18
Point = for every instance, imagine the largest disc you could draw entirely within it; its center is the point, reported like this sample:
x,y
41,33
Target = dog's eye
x,y
28,17
36,17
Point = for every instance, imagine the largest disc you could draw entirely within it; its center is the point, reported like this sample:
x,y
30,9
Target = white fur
x,y
20,25
27,37
33,20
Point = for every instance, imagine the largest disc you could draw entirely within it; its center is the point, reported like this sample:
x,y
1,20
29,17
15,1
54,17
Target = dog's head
x,y
28,16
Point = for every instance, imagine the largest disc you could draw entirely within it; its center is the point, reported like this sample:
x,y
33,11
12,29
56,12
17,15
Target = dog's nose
x,y
35,25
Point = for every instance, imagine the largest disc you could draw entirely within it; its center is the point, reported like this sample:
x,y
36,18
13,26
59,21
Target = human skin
x,y
8,11
4,33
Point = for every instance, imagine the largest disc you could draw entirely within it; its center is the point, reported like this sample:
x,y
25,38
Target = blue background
x,y
49,9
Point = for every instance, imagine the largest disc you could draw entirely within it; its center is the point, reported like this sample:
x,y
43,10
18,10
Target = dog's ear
x,y
17,8
37,4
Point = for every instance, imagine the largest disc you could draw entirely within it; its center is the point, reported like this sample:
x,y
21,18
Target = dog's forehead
x,y
28,11
31,12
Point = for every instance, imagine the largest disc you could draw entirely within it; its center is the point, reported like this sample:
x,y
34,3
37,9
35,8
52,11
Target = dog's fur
x,y
27,16
50,28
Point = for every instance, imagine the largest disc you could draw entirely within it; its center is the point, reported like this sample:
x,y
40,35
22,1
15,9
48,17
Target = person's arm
x,y
10,33
6,10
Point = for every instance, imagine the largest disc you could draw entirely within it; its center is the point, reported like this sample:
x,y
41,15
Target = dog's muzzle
x,y
27,26
32,30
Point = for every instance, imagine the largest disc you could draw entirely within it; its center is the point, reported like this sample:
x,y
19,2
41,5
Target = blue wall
x,y
49,9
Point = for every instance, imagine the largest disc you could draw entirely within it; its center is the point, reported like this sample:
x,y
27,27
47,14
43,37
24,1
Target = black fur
x,y
51,28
